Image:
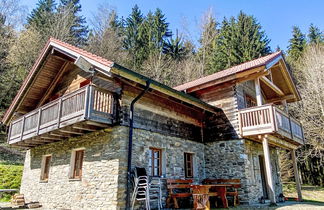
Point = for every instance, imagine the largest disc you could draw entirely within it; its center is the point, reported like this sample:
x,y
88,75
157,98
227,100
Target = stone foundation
x,y
103,175
239,159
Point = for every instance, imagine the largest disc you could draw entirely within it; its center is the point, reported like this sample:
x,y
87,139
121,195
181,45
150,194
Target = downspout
x,y
130,142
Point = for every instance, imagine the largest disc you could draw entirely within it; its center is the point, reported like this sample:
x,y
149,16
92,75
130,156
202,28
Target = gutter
x,y
130,142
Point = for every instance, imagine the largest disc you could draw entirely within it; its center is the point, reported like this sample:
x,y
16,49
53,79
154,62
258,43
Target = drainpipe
x,y
130,142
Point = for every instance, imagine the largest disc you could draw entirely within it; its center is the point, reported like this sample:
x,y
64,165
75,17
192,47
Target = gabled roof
x,y
100,64
263,61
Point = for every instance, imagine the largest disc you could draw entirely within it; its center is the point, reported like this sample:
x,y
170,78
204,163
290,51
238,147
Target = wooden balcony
x,y
268,119
84,110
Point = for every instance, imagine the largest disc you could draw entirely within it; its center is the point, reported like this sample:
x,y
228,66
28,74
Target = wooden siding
x,y
87,103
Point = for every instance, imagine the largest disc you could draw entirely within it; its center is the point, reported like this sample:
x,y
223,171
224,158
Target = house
x,y
86,122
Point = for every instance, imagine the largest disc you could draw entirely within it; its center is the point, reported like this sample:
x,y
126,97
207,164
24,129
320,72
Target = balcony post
x,y
297,180
22,127
258,91
267,162
284,103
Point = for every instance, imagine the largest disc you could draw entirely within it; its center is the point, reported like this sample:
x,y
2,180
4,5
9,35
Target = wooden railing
x,y
268,119
87,103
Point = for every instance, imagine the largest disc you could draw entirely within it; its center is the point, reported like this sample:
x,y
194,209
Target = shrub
x,y
10,178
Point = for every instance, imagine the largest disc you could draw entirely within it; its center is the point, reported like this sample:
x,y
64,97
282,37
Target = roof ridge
x,y
229,71
79,50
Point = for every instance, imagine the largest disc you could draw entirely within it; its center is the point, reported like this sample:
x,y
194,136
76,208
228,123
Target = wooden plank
x,y
267,161
272,85
297,180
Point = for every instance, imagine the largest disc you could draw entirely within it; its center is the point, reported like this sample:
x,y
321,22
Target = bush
x,y
10,178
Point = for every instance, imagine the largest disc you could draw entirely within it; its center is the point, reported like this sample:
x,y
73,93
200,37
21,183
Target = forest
x,y
146,44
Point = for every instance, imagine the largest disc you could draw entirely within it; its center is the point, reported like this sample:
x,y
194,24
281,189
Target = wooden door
x,y
263,177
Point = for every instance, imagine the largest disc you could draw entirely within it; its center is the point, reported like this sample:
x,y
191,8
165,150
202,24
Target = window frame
x,y
152,160
191,162
249,100
74,161
45,167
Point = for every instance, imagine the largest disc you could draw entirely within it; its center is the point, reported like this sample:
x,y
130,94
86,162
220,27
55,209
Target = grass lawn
x,y
309,193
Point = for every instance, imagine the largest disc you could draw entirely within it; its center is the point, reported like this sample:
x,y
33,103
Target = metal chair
x,y
146,189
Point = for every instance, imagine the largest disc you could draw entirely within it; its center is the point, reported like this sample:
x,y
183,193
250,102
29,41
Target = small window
x,y
76,164
188,162
46,162
250,101
155,162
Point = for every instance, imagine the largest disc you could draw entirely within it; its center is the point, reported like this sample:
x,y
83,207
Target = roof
x,y
263,61
103,64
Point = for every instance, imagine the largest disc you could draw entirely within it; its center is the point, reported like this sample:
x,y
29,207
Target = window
x,y
46,162
76,164
188,162
155,162
250,101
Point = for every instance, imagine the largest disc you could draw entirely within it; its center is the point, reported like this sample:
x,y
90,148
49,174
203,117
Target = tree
x,y
42,16
240,39
315,36
297,45
207,41
175,48
134,41
310,111
78,28
105,38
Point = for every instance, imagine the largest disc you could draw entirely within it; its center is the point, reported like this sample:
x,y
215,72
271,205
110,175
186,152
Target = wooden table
x,y
200,193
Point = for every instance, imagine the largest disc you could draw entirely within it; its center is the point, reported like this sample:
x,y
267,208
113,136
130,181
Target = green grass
x,y
309,193
10,178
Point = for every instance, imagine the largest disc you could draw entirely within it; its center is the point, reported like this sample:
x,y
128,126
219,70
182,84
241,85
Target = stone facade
x,y
103,176
239,159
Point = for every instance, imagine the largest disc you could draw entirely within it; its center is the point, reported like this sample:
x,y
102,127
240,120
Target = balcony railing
x,y
85,104
268,119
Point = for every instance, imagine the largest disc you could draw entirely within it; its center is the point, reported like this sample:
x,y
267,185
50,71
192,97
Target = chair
x,y
145,189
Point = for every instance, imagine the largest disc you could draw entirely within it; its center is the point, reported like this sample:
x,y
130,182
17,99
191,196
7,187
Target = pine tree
x,y
78,28
134,41
240,39
315,36
297,44
42,16
175,48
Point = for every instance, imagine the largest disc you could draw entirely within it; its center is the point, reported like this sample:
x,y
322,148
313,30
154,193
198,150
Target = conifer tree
x,y
42,16
297,44
315,36
78,28
240,39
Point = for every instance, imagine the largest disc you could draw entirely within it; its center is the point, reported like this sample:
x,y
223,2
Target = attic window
x,y
84,83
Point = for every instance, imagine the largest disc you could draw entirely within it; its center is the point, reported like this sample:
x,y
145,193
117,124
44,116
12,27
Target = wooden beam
x,y
53,84
258,91
297,180
279,99
267,161
97,124
271,85
82,127
71,131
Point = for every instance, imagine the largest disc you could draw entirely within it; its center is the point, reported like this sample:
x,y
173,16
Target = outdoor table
x,y
200,193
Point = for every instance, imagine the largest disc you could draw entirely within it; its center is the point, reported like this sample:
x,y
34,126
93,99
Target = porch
x,y
86,109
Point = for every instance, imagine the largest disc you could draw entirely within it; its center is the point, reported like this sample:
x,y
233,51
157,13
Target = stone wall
x,y
239,159
103,176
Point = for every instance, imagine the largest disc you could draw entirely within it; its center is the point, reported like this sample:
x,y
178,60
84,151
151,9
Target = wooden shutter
x,y
46,165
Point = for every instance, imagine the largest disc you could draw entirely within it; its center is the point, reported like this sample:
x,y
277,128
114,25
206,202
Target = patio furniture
x,y
178,188
231,190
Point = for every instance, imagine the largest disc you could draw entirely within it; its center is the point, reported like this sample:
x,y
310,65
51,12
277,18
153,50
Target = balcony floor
x,y
59,134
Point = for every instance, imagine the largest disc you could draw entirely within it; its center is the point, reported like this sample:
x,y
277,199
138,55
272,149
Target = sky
x,y
276,16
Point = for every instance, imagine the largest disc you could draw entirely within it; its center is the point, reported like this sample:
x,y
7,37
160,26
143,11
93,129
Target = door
x,y
263,177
